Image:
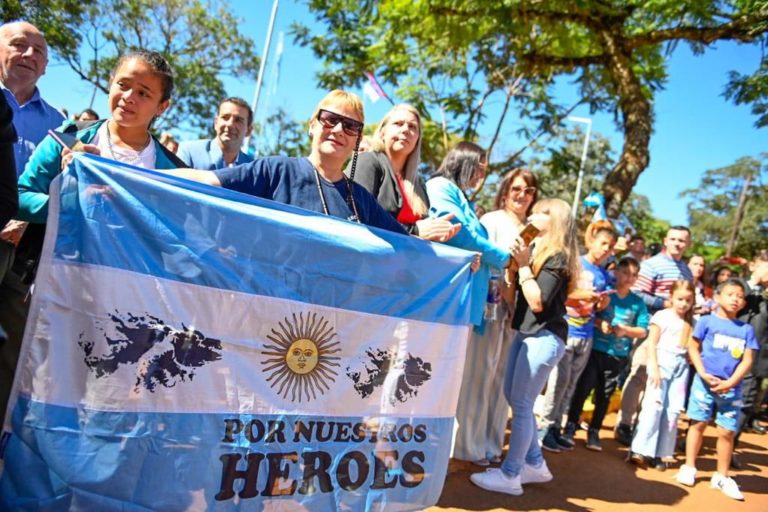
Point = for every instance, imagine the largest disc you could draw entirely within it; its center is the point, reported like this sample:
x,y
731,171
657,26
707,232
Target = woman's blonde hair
x,y
343,98
560,238
410,172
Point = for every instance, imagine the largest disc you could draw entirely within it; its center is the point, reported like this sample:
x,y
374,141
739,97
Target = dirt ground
x,y
603,481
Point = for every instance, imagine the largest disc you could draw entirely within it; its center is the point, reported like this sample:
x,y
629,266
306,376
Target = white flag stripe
x,y
237,382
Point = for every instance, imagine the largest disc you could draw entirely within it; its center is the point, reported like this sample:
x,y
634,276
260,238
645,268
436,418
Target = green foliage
x,y
59,20
556,163
713,205
751,90
453,59
199,38
281,135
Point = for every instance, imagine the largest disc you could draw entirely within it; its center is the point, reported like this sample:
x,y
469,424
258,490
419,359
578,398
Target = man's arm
x,y
645,286
206,177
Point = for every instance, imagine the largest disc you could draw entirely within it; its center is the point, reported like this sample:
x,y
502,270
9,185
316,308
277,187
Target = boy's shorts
x,y
703,401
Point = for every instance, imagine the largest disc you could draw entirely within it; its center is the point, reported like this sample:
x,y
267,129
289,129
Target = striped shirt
x,y
657,275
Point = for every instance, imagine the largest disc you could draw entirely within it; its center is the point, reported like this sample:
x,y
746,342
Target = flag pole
x,y
264,55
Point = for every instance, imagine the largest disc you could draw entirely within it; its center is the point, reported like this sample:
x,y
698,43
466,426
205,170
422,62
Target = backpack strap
x,y
76,126
170,155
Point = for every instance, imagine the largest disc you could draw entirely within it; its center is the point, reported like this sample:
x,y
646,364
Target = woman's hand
x,y
13,231
438,229
67,154
521,253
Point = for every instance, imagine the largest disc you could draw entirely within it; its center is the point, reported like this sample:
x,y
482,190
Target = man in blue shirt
x,y
23,59
232,125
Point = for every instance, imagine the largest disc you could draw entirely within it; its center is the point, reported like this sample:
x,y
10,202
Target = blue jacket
x,y
45,164
446,197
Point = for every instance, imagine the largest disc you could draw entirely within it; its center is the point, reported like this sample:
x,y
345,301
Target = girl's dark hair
x,y
158,64
528,177
715,272
460,163
90,112
704,279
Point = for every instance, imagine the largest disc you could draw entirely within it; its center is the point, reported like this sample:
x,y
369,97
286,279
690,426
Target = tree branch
x,y
533,61
745,28
501,166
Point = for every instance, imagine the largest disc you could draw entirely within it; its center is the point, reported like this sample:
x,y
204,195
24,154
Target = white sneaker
x,y
686,475
495,480
726,484
535,475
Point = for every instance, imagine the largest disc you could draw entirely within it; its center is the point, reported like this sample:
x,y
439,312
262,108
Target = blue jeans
x,y
656,430
531,358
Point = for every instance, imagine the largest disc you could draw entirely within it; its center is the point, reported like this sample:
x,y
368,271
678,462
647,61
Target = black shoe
x,y
568,432
636,459
736,462
623,434
757,428
549,442
565,444
657,464
593,440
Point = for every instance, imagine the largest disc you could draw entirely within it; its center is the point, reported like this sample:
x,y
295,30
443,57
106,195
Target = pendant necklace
x,y
135,159
350,198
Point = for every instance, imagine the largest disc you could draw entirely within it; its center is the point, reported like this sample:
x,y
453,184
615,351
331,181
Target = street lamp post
x,y
580,179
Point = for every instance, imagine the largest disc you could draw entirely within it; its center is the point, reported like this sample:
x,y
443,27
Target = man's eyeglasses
x,y
529,191
352,127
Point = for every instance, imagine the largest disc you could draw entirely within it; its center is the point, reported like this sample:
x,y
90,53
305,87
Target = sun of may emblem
x,y
299,359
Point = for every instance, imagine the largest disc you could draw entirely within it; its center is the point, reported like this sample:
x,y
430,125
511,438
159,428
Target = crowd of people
x,y
543,315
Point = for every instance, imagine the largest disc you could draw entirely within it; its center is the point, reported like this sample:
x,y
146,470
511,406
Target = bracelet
x,y
507,273
530,273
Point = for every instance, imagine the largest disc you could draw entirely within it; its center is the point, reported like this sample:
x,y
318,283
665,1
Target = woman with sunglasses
x,y
389,171
317,182
482,440
544,272
462,169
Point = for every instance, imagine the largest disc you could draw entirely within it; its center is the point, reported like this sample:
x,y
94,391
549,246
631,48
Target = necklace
x,y
350,198
136,158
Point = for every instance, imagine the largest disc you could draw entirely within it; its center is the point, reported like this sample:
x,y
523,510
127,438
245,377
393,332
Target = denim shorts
x,y
703,402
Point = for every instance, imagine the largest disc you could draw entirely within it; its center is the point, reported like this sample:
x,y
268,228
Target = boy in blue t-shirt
x,y
582,303
722,351
626,318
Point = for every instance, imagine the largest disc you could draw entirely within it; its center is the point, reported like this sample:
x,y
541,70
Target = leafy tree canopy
x,y
199,38
59,20
455,58
713,206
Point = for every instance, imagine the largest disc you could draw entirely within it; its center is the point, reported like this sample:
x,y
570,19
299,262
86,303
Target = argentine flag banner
x,y
193,348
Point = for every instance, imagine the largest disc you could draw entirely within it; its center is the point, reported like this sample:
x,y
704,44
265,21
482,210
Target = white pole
x,y
264,55
580,179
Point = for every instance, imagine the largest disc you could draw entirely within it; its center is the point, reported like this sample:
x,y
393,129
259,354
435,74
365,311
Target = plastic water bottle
x,y
493,299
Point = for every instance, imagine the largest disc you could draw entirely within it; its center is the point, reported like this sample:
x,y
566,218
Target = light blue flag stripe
x,y
223,239
337,464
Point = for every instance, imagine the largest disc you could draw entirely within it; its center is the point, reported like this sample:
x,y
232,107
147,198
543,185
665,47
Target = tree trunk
x,y
637,120
739,217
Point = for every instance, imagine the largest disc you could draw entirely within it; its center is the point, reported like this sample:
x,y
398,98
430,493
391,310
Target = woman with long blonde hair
x,y
480,437
390,172
543,273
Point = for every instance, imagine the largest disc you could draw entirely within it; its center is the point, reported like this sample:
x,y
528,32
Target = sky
x,y
695,128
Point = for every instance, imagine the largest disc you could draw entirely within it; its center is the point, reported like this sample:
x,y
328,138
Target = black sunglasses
x,y
329,119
